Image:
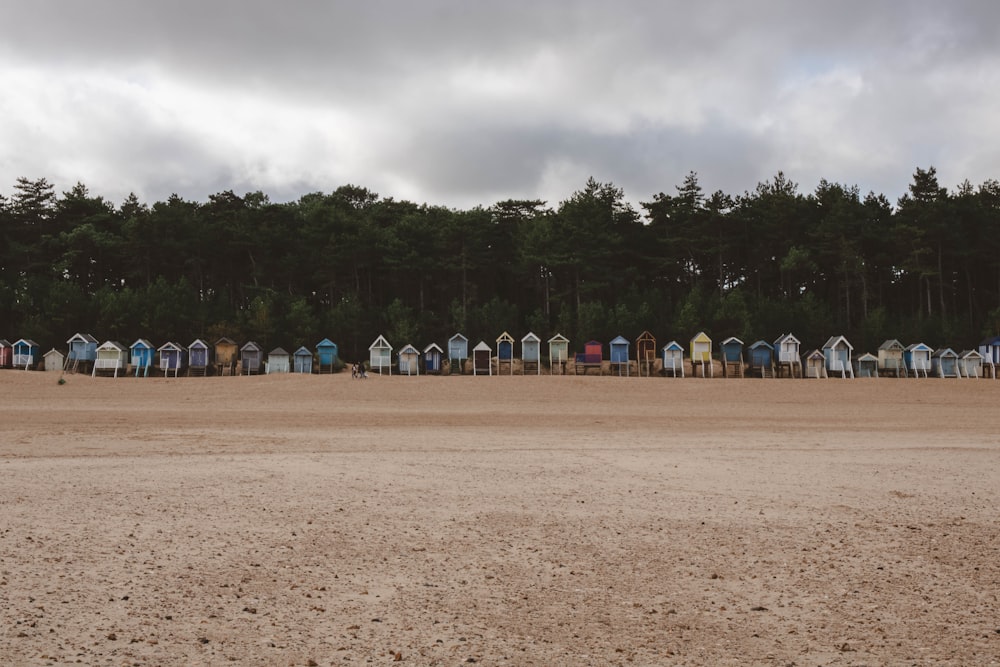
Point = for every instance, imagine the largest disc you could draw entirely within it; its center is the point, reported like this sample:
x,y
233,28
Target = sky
x,y
466,103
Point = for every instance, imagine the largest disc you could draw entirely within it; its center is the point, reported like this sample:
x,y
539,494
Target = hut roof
x,y
969,354
505,338
225,341
433,347
142,342
482,346
83,337
4,342
701,337
762,343
25,341
326,342
944,352
112,345
169,345
380,343
278,352
732,339
835,341
303,352
918,347
558,338
408,349
815,354
250,345
530,337
673,346
786,338
198,343
891,344
991,340
619,340
868,356
458,336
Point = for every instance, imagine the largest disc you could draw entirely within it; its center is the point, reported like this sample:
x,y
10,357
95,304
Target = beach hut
x,y
591,357
6,353
173,358
198,358
81,353
409,360
302,361
54,360
990,351
786,353
531,353
433,358
917,359
505,353
838,356
558,353
731,351
226,354
762,359
458,352
482,359
867,366
380,355
112,357
814,365
970,364
24,353
279,361
645,353
326,356
618,349
673,359
944,363
890,358
141,354
701,354
251,358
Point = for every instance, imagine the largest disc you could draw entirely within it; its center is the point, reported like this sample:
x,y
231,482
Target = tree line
x,y
350,265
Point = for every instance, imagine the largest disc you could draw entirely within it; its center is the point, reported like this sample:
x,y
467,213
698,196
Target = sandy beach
x,y
320,520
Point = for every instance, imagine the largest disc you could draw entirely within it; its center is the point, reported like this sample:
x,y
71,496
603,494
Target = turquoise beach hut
x,y
142,354
326,355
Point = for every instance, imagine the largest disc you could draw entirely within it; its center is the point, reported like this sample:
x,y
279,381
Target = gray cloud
x,y
467,103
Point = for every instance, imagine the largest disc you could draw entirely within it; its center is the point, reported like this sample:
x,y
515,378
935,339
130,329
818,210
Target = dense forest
x,y
350,265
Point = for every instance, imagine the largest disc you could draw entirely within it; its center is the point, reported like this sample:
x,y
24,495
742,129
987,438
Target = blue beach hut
x,y
619,349
82,352
837,353
917,358
302,361
673,359
731,350
25,353
433,356
458,352
762,359
173,358
326,355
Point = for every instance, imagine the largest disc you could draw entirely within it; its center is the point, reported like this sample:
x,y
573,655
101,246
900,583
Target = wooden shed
x,y
458,352
226,354
645,353
731,352
890,358
970,364
990,351
380,355
944,363
619,355
409,360
6,353
141,356
81,353
786,353
433,359
531,353
701,354
482,359
838,356
762,359
302,361
917,358
173,359
199,358
54,360
279,361
673,359
505,353
814,365
327,355
558,353
591,357
112,359
251,358
867,366
24,353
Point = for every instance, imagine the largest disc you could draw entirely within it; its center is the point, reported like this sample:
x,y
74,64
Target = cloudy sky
x,y
462,103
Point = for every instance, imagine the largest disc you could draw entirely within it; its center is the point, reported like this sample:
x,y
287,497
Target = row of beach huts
x,y
642,357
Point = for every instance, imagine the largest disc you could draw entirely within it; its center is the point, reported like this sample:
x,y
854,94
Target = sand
x,y
290,520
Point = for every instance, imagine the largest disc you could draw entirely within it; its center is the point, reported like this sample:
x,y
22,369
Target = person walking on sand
x,y
354,370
